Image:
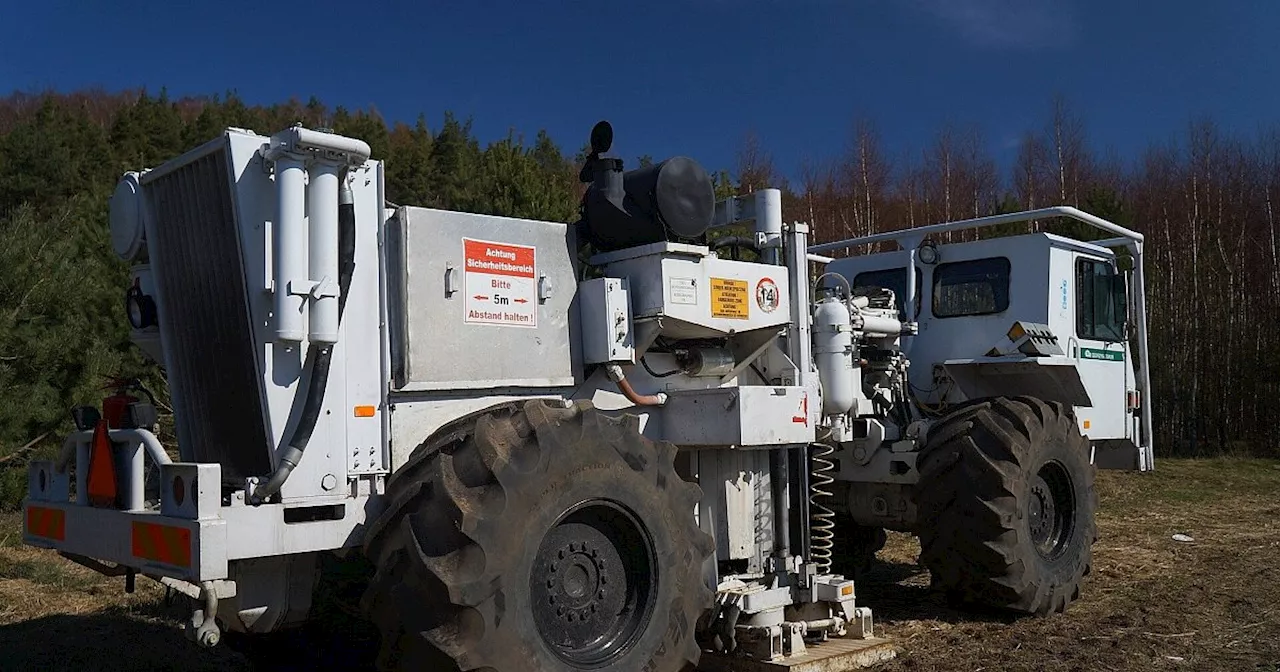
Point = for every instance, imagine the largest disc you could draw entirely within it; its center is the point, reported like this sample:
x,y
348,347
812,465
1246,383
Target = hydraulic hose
x,y
615,374
319,358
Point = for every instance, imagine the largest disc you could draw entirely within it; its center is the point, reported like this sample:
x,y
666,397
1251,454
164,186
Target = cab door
x,y
1101,349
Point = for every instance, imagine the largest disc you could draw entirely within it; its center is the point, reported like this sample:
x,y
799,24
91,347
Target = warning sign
x,y
500,283
767,296
729,298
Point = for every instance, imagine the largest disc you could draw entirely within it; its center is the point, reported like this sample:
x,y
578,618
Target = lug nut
x,y
559,611
599,596
584,615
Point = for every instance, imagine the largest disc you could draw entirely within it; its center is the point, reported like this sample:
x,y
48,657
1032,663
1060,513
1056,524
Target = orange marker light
x,y
365,411
1086,424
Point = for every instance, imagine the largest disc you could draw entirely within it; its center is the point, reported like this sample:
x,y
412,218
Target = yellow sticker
x,y
729,298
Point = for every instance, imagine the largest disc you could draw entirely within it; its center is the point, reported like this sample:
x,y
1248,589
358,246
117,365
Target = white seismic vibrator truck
x,y
604,444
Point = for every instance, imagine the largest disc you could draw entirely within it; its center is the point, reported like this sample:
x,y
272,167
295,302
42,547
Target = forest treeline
x,y
1205,201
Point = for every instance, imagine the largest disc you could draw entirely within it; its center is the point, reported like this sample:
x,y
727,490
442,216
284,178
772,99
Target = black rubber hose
x,y
320,357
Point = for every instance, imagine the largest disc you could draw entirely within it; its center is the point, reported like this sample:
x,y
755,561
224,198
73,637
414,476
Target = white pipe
x,y
304,139
768,213
874,325
82,475
1147,460
290,243
322,251
137,467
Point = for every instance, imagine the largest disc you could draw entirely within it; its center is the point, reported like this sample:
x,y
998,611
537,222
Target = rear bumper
x,y
193,534
191,550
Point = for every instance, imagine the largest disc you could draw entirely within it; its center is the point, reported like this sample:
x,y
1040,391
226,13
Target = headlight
x,y
928,253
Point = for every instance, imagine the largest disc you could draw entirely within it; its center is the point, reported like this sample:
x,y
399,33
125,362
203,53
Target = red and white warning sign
x,y
500,283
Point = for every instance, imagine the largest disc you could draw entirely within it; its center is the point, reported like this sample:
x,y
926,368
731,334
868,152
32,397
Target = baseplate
x,y
834,655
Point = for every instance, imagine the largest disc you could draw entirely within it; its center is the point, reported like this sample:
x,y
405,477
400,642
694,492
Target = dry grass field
x,y
1151,603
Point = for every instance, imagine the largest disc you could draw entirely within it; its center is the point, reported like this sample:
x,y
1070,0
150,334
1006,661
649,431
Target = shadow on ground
x,y
899,591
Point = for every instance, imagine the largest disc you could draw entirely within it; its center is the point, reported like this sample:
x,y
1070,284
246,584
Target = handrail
x,y
77,447
981,222
148,440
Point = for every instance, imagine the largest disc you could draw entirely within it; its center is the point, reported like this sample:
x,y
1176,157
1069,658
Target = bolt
x,y
551,599
584,615
599,596
559,611
561,554
570,617
572,547
329,482
553,566
593,604
595,553
603,578
551,583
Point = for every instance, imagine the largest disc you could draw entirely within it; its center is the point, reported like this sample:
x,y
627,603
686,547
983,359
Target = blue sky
x,y
689,77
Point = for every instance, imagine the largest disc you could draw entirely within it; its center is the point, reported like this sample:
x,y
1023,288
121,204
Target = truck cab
x,y
966,298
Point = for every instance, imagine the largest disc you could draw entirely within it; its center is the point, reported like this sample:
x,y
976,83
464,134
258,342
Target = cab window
x,y
893,279
975,287
1100,301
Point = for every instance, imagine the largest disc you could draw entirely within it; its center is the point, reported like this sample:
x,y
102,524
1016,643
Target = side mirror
x,y
1124,263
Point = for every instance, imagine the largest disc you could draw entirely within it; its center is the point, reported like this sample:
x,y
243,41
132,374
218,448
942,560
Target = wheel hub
x,y
1051,510
592,584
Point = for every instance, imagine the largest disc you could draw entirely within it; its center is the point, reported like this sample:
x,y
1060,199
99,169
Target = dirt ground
x,y
1152,603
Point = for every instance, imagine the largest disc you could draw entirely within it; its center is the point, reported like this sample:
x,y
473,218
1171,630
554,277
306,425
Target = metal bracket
x,y
450,281
544,288
749,359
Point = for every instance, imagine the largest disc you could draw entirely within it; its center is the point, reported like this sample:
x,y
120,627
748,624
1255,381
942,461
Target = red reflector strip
x,y
162,543
47,523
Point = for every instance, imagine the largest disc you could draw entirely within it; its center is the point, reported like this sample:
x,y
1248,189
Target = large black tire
x,y
1006,505
534,537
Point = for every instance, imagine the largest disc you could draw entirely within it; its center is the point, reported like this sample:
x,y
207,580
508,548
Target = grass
x,y
1151,603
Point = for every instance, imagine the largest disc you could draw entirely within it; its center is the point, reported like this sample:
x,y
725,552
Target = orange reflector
x,y
102,469
47,523
1086,424
846,591
162,543
365,411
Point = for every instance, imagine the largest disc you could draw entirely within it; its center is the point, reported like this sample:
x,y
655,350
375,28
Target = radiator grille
x,y
205,315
